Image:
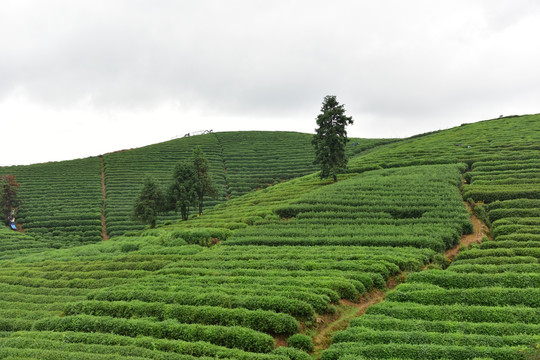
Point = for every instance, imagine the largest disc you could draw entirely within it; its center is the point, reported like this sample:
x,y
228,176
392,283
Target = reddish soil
x,y
280,341
479,230
327,325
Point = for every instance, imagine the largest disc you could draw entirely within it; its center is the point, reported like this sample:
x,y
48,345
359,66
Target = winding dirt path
x,y
479,231
349,310
104,234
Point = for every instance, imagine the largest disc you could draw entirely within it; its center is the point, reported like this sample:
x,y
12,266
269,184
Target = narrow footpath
x,y
348,310
479,231
227,189
104,235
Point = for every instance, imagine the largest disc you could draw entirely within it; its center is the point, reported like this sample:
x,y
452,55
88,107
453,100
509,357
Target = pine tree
x,y
182,191
149,203
331,138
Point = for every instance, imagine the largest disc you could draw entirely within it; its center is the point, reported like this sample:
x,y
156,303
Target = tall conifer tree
x,y
331,138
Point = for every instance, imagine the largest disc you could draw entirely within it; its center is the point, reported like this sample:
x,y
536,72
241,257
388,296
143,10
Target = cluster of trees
x,y
190,183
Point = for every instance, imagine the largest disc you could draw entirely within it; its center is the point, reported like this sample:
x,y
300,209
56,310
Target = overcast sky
x,y
82,78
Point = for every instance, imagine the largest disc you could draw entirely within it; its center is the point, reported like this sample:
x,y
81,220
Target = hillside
x,y
300,256
86,200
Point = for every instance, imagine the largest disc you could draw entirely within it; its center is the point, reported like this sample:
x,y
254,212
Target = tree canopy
x,y
203,184
182,191
331,138
149,202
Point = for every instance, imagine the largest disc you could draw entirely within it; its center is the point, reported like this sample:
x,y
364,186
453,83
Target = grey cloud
x,y
389,59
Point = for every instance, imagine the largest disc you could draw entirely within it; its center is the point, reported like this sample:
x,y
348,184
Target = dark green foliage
x,y
292,353
331,137
481,213
202,236
62,202
287,211
301,341
149,203
260,320
182,192
183,296
8,196
231,337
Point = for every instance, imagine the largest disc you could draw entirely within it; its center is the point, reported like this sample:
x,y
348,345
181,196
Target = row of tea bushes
x,y
61,200
125,171
78,345
255,159
416,206
506,139
485,305
64,200
230,296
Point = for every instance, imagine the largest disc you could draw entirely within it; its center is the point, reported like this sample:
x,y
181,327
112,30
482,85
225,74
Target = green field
x,y
281,252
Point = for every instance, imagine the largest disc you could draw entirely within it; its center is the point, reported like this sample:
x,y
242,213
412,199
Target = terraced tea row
x,y
486,304
373,209
125,171
504,139
234,297
61,201
64,200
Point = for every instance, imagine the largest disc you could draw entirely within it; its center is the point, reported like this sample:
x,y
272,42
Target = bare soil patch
x,y
328,325
479,231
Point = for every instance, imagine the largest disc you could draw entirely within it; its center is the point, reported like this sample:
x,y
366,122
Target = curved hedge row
x,y
264,321
231,337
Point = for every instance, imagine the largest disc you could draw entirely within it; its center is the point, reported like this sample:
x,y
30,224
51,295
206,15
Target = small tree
x,y
331,138
8,196
182,191
149,203
203,185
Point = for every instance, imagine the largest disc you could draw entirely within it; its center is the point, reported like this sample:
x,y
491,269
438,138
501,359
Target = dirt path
x,y
228,195
104,234
348,310
479,230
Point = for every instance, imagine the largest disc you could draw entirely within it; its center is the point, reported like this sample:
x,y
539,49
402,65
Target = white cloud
x,y
401,68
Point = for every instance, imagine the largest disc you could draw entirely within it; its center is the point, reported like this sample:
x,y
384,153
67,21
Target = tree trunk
x,y
335,178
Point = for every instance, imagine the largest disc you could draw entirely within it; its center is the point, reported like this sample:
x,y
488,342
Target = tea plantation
x,y
281,252
66,200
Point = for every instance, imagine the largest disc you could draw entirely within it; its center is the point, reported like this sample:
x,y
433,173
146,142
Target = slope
x,y
64,200
486,304
283,257
234,296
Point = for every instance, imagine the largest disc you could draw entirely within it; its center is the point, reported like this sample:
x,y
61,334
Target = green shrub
x,y
287,211
291,353
300,341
